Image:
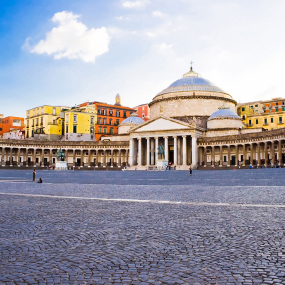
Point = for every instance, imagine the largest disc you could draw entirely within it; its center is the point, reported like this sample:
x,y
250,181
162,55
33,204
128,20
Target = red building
x,y
143,111
10,123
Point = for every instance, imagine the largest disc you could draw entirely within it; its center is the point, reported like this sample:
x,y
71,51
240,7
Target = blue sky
x,y
64,52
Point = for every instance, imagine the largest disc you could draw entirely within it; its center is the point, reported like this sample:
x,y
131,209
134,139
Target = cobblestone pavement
x,y
57,234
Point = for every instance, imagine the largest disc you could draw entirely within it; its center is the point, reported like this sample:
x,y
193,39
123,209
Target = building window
x,y
280,120
33,112
243,109
111,112
265,121
66,118
99,112
74,129
243,117
118,114
276,104
256,121
249,122
38,111
42,110
42,120
92,130
92,120
66,129
117,122
143,115
104,112
125,114
37,121
283,109
100,130
276,109
105,130
53,111
256,105
111,131
104,121
110,121
74,118
99,120
271,120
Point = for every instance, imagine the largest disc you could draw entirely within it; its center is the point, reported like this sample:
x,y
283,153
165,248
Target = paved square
x,y
86,227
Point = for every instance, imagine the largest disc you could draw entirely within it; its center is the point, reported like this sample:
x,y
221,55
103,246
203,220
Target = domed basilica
x,y
195,123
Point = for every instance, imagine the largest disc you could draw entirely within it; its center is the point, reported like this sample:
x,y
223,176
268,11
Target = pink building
x,y
143,111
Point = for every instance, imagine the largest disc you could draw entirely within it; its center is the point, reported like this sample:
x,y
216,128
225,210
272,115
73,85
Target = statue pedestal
x,y
61,165
161,164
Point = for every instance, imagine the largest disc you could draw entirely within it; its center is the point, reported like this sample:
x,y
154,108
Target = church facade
x,y
195,122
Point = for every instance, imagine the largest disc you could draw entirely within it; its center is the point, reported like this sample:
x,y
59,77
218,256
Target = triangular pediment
x,y
161,124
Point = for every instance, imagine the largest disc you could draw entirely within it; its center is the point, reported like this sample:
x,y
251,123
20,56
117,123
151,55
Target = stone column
x,y
139,151
258,153
205,156
237,156
265,154
120,158
104,157
166,148
82,158
194,150
127,155
34,157
244,154
147,152
156,152
152,151
131,156
251,154
229,155
97,157
18,157
74,157
184,151
175,150
11,156
280,152
272,153
2,156
89,157
213,156
178,151
221,156
112,157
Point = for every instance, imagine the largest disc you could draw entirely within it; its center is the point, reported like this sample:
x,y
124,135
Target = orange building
x,y
109,117
11,123
143,111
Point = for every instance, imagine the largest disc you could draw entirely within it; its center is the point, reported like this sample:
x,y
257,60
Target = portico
x,y
179,140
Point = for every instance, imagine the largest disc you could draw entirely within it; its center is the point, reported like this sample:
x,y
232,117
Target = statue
x,y
160,151
60,155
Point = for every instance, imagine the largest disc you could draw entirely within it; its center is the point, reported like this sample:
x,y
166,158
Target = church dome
x,y
188,97
224,113
224,118
192,81
133,119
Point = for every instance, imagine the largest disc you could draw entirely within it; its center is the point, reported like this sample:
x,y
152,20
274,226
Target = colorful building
x,y
268,115
45,122
109,117
143,111
80,123
10,123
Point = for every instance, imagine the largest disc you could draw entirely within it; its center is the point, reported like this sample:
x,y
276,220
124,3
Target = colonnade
x,y
178,149
40,157
242,154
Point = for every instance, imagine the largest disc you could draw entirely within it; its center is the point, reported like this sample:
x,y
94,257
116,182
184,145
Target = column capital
x,y
147,138
184,136
156,138
175,137
166,137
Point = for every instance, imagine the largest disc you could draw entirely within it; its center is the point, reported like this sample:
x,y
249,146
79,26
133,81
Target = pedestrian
x,y
190,171
40,181
34,175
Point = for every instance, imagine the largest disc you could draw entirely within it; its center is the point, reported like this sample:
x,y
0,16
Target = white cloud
x,y
72,39
122,18
134,4
157,14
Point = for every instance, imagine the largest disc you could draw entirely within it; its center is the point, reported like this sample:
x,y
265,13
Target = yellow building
x,y
45,122
80,123
263,114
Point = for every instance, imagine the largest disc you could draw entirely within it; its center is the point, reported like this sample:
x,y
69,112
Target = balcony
x,y
280,123
265,124
249,125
